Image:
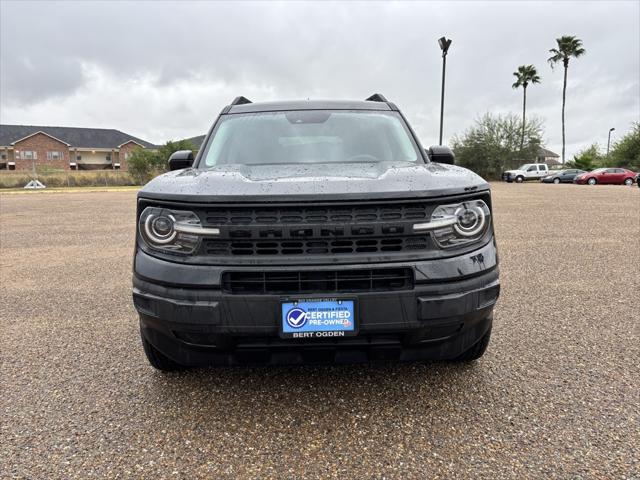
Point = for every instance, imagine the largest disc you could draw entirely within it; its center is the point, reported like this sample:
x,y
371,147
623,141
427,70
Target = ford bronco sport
x,y
314,232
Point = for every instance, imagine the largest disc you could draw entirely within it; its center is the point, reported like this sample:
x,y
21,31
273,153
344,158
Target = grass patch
x,y
68,178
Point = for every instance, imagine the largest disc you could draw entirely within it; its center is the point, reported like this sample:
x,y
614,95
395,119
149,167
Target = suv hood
x,y
308,182
514,172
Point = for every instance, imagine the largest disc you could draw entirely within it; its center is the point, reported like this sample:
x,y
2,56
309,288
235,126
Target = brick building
x,y
23,147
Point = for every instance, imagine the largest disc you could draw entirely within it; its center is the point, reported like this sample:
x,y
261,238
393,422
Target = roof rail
x,y
240,100
376,97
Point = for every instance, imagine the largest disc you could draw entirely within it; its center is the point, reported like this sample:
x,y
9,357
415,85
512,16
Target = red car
x,y
611,176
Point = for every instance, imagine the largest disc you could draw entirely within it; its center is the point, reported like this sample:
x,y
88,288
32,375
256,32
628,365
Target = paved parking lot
x,y
556,395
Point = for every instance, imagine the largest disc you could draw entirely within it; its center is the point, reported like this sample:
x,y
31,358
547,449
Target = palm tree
x,y
525,75
568,46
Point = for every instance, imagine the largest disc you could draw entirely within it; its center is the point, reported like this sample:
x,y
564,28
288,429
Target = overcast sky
x,y
163,70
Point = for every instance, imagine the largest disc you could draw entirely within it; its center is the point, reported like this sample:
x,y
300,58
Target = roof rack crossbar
x,y
240,100
376,97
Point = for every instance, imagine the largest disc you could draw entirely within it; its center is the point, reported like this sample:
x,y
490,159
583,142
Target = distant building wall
x,y
23,147
41,149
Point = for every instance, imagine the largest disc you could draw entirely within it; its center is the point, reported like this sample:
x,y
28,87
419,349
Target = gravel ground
x,y
555,396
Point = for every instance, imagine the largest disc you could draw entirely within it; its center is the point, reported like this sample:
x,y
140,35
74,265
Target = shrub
x,y
626,151
146,164
492,145
587,158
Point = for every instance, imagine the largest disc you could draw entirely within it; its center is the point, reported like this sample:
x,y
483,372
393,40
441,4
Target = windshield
x,y
524,167
309,136
598,170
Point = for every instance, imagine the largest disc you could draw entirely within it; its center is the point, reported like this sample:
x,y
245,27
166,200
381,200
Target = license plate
x,y
318,318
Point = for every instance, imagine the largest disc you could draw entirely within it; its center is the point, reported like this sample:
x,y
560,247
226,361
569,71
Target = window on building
x,y
55,155
28,155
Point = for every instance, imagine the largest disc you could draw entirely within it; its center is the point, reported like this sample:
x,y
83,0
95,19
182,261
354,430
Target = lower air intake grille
x,y
339,281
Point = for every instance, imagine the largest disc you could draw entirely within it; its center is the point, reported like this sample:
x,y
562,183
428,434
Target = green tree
x,y
166,150
492,145
626,151
567,47
146,164
139,164
525,75
588,158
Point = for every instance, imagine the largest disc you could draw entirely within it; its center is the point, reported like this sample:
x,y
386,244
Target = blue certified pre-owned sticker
x,y
318,318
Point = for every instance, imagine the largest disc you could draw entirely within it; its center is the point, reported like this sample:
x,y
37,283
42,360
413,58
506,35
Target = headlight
x,y
457,224
174,231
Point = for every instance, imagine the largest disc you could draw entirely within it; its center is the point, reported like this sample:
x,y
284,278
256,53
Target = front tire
x,y
592,181
477,350
158,360
519,179
628,182
556,181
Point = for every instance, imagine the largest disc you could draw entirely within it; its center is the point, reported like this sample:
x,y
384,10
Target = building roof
x,y
75,137
543,152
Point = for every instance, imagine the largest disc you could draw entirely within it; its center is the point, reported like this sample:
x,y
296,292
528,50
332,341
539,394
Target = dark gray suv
x,y
314,232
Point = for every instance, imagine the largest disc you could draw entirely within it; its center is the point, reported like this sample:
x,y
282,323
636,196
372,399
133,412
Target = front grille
x,y
316,230
333,281
317,246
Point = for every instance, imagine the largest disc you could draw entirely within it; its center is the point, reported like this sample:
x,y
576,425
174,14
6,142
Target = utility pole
x,y
609,140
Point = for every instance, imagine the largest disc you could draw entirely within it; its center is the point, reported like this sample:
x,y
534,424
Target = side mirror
x,y
180,159
440,154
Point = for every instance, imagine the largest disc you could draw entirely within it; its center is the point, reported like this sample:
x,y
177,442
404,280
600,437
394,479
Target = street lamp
x,y
609,140
444,46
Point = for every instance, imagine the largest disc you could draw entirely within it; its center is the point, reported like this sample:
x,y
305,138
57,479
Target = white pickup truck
x,y
528,171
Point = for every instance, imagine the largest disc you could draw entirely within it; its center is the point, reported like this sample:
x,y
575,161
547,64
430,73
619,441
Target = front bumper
x,y
187,316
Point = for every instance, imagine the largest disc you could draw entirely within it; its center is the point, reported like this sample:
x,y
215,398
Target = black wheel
x,y
158,360
519,179
477,350
556,181
628,182
592,181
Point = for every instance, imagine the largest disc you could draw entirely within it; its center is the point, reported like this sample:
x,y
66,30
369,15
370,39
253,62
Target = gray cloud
x,y
164,70
23,81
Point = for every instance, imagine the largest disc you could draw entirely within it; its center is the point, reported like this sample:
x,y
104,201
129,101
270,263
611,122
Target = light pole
x,y
609,140
444,46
